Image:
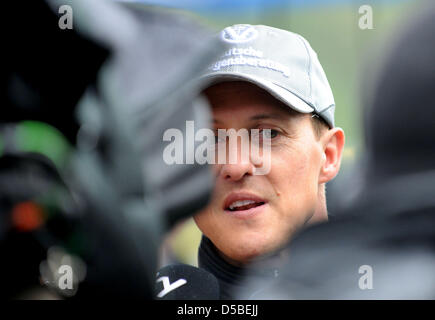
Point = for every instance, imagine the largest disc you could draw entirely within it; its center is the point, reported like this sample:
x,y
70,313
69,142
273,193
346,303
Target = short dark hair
x,y
319,125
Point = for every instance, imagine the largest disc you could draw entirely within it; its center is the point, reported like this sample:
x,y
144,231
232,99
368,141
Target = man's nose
x,y
237,171
238,162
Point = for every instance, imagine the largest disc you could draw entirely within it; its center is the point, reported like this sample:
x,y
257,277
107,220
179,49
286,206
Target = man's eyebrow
x,y
267,116
260,117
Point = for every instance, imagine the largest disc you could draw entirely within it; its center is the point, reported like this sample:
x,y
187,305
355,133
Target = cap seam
x,y
309,66
324,109
296,93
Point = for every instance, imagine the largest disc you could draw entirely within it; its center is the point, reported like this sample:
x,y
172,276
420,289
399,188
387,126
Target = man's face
x,y
285,198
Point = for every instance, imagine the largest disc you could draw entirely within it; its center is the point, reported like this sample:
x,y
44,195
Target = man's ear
x,y
333,144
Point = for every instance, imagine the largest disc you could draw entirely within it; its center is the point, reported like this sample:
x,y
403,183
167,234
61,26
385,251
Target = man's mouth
x,y
243,205
242,201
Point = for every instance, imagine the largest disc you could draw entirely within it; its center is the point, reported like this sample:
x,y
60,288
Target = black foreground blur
x,y
110,86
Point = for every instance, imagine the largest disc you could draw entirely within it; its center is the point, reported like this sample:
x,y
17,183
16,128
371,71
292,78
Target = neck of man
x,y
231,277
321,212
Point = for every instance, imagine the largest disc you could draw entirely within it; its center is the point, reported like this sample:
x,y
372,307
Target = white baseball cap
x,y
281,62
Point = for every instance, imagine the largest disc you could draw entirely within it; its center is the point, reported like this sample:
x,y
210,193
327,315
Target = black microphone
x,y
185,282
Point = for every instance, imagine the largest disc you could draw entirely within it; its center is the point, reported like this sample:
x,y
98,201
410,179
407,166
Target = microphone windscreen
x,y
185,282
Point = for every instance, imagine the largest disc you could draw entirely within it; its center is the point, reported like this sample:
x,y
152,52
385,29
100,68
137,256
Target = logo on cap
x,y
239,33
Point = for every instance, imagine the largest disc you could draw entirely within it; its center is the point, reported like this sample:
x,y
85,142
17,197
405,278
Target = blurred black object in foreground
x,y
45,70
112,85
185,282
383,247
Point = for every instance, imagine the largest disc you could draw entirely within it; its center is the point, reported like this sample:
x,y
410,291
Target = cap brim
x,y
287,97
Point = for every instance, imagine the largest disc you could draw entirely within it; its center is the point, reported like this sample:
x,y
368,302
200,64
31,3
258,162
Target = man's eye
x,y
269,133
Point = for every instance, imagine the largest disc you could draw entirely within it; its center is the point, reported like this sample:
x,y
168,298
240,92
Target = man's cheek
x,y
201,217
216,169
